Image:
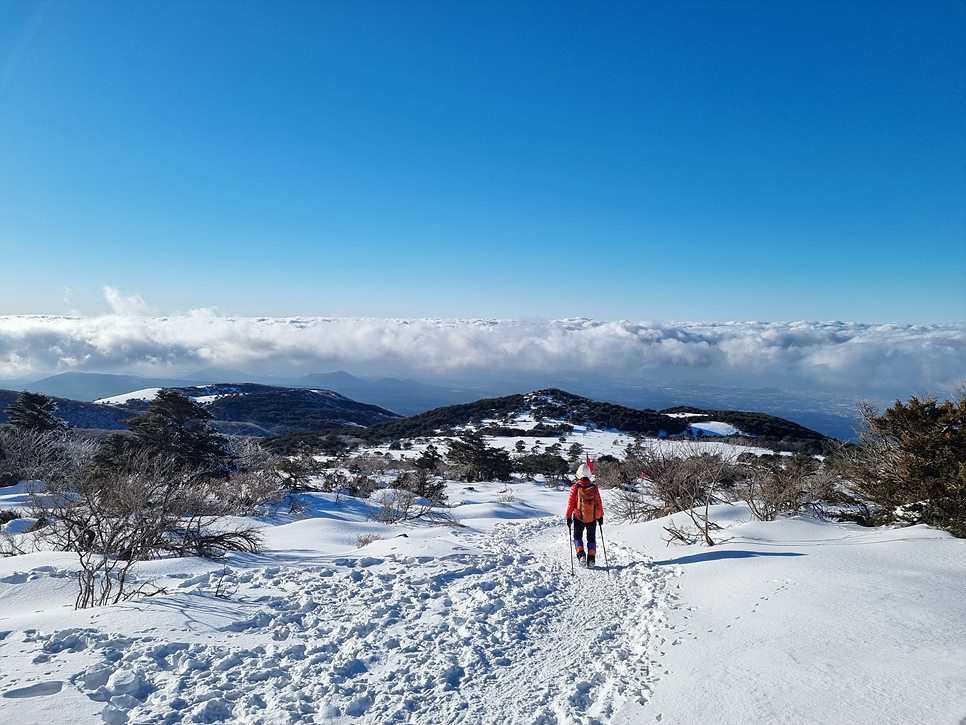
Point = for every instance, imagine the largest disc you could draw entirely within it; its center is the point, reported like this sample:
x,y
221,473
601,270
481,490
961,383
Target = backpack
x,y
586,509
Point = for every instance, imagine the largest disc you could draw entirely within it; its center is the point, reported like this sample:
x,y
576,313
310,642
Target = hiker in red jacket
x,y
585,510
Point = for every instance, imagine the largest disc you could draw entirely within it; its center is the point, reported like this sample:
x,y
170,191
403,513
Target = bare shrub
x,y
612,473
256,481
776,485
369,465
149,506
34,455
393,506
203,541
367,539
669,483
111,520
12,545
226,586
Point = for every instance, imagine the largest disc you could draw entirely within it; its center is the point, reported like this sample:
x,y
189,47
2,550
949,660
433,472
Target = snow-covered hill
x,y
264,409
478,619
559,412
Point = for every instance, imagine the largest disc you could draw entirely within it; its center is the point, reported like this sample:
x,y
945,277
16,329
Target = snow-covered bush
x,y
255,480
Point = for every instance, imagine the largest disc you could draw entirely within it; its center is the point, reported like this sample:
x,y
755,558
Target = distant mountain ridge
x,y
830,413
294,414
760,425
495,416
236,408
405,397
273,410
92,386
78,413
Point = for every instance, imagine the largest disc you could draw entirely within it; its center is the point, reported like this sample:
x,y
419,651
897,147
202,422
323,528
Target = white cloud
x,y
122,304
855,356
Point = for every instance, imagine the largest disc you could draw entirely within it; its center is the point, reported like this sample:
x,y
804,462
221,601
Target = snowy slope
x,y
143,394
806,621
477,619
253,409
715,428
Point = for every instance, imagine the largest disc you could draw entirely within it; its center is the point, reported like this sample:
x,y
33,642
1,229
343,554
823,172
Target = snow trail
x,y
590,656
503,634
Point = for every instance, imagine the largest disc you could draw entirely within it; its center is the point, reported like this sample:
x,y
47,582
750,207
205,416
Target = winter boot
x,y
580,557
590,561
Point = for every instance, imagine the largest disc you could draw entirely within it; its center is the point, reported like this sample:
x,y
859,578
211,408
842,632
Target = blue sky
x,y
645,160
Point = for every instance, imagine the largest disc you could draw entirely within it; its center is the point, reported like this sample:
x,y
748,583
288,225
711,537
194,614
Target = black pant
x,y
579,527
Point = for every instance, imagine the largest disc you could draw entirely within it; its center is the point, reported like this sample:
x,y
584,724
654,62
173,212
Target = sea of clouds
x,y
854,356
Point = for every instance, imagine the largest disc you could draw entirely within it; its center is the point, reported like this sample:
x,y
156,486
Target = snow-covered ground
x,y
477,619
715,428
148,394
144,394
595,442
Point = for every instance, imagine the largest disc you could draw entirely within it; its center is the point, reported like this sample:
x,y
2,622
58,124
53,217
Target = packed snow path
x,y
497,631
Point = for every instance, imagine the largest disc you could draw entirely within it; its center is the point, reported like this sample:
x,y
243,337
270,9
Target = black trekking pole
x,y
603,545
570,545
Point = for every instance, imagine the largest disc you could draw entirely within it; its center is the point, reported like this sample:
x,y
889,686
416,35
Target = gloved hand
x,y
601,521
568,520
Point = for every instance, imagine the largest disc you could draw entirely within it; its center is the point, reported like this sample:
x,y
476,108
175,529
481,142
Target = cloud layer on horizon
x,y
832,354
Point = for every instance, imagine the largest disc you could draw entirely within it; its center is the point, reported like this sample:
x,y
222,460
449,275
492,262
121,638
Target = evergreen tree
x,y
172,424
430,459
299,469
548,464
35,412
575,453
911,462
479,461
421,483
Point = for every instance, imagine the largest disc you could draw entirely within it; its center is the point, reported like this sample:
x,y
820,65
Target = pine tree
x,y
35,412
575,453
911,462
173,424
430,459
299,469
548,464
479,461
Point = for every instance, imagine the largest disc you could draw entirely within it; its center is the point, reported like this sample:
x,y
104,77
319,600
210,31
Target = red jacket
x,y
572,502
